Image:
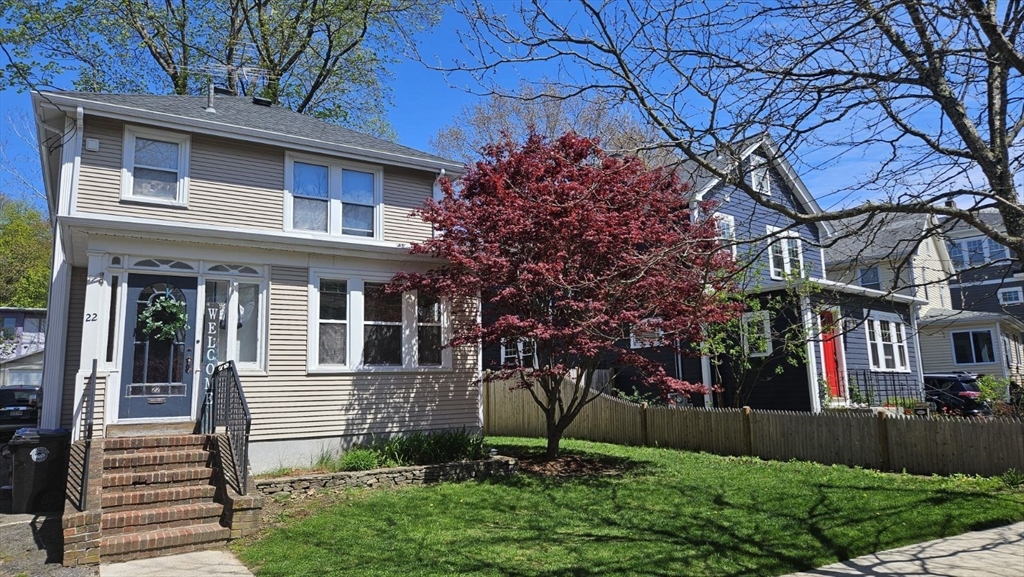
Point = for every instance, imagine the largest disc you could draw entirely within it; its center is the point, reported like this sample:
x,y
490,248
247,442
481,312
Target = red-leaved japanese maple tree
x,y
567,248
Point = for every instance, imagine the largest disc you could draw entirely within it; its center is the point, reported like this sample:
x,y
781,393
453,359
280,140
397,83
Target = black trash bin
x,y
40,469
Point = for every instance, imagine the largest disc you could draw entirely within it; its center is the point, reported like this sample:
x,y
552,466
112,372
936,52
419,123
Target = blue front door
x,y
156,379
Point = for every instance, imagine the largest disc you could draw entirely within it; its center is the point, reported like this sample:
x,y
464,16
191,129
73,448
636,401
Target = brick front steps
x,y
153,496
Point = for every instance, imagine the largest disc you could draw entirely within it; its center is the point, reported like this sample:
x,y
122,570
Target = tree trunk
x,y
554,437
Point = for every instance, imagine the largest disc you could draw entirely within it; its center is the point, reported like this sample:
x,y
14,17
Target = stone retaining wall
x,y
394,477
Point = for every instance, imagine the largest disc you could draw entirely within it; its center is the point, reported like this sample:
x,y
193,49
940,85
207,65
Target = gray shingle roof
x,y
951,316
241,112
873,237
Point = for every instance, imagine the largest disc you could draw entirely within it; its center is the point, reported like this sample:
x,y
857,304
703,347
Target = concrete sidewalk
x,y
216,563
991,553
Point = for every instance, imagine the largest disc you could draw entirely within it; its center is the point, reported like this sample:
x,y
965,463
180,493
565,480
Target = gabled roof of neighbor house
x,y
989,216
240,116
875,237
704,180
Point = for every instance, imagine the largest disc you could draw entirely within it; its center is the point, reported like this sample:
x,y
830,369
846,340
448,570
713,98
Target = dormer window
x,y
332,198
155,166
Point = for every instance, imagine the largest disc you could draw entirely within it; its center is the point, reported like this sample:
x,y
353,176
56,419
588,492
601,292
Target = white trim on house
x,y
182,141
60,289
807,319
1013,278
233,236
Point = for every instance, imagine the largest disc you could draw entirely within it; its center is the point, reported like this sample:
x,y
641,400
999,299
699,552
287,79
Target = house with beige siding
x,y
274,233
909,254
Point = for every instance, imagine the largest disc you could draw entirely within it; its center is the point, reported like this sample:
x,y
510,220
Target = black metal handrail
x,y
232,412
878,389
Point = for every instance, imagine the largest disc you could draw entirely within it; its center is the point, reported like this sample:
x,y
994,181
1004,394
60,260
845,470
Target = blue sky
x,y
424,102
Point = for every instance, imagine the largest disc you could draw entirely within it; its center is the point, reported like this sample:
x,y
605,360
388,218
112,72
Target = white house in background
x,y
22,340
286,228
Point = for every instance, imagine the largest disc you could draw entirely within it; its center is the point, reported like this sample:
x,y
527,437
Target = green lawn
x,y
666,513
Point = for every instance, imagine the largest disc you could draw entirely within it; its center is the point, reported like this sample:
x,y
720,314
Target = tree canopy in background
x,y
925,99
547,111
567,248
326,58
25,254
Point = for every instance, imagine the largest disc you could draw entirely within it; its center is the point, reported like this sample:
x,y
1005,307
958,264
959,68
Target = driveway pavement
x,y
991,553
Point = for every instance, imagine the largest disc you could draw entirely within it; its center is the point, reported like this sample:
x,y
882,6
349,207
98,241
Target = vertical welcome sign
x,y
211,336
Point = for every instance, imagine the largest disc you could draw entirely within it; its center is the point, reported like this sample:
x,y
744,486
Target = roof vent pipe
x,y
209,98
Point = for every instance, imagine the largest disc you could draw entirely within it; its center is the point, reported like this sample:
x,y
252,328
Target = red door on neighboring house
x,y
828,338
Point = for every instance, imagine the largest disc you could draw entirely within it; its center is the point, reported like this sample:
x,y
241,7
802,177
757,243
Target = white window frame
x,y
656,341
355,321
783,237
878,274
519,355
1017,291
898,333
760,175
729,221
991,340
764,318
334,195
184,142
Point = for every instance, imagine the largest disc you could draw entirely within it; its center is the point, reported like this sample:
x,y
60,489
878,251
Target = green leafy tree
x,y
25,251
327,58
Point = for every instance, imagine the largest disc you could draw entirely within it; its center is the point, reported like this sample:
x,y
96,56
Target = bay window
x,y
356,324
330,197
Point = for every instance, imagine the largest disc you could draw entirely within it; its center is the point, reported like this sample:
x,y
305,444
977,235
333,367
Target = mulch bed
x,y
568,466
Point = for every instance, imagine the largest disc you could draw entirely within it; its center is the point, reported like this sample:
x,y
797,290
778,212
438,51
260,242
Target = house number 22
x,y
90,317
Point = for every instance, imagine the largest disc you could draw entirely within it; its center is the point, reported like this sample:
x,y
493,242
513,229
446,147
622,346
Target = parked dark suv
x,y
19,407
956,393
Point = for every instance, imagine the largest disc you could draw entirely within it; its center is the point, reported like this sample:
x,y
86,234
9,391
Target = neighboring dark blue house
x,y
861,341
989,276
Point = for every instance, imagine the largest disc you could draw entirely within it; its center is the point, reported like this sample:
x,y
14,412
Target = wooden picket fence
x,y
924,446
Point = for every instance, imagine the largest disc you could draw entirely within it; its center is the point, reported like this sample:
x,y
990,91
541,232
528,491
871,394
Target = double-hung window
x,y
155,166
1011,296
356,324
644,335
870,278
974,252
520,352
785,253
887,343
760,175
727,231
756,333
973,347
332,198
